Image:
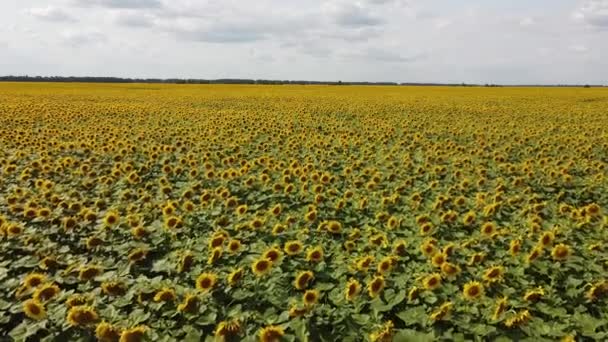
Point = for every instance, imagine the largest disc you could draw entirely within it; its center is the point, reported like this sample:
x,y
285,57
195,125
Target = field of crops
x,y
198,212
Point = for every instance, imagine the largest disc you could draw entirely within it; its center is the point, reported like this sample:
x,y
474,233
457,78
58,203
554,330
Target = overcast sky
x,y
484,41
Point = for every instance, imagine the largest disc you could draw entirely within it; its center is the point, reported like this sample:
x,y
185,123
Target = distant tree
x,y
587,86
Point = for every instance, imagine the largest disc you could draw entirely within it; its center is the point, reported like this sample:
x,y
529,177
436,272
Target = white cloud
x,y
593,12
83,37
51,13
352,14
526,22
578,48
374,40
120,3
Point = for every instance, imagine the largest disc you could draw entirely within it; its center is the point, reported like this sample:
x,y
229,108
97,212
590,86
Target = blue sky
x,y
541,41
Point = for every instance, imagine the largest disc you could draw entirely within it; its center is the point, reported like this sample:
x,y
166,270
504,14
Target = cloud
x,y
82,38
350,14
51,13
135,20
526,22
593,13
131,4
578,48
384,55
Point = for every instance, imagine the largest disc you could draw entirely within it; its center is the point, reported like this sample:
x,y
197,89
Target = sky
x,y
472,41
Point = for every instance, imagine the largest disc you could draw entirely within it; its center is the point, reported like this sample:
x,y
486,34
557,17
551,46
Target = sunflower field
x,y
302,213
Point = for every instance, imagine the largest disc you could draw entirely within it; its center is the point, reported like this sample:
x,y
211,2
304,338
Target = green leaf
x,y
408,335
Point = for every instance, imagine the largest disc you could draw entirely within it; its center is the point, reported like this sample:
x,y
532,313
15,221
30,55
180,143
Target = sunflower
x,y
534,254
442,312
293,247
501,306
106,332
449,269
534,295
473,290
314,254
34,309
165,295
113,288
392,222
111,218
271,333
89,272
310,297
227,328
518,319
33,280
560,252
439,259
469,218
171,222
303,279
432,281
215,255
334,227
546,239
82,316
206,281
488,229
278,229
297,311
400,247
353,288
137,255
139,232
235,276
256,223
261,266
135,334
384,334
217,240
364,263
241,209
190,304
375,286
311,216
185,262
273,254
514,247
386,264
596,291
476,258
428,248
426,229
234,246
76,300
494,274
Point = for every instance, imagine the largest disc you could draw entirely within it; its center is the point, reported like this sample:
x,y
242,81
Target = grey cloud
x,y
133,4
81,38
383,55
51,14
135,20
354,15
220,35
594,13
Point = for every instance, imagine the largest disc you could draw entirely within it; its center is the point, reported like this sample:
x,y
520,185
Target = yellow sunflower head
x,y
261,266
34,309
473,290
206,281
310,297
353,288
375,286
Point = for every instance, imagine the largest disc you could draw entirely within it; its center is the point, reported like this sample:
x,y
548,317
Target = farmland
x,y
327,213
